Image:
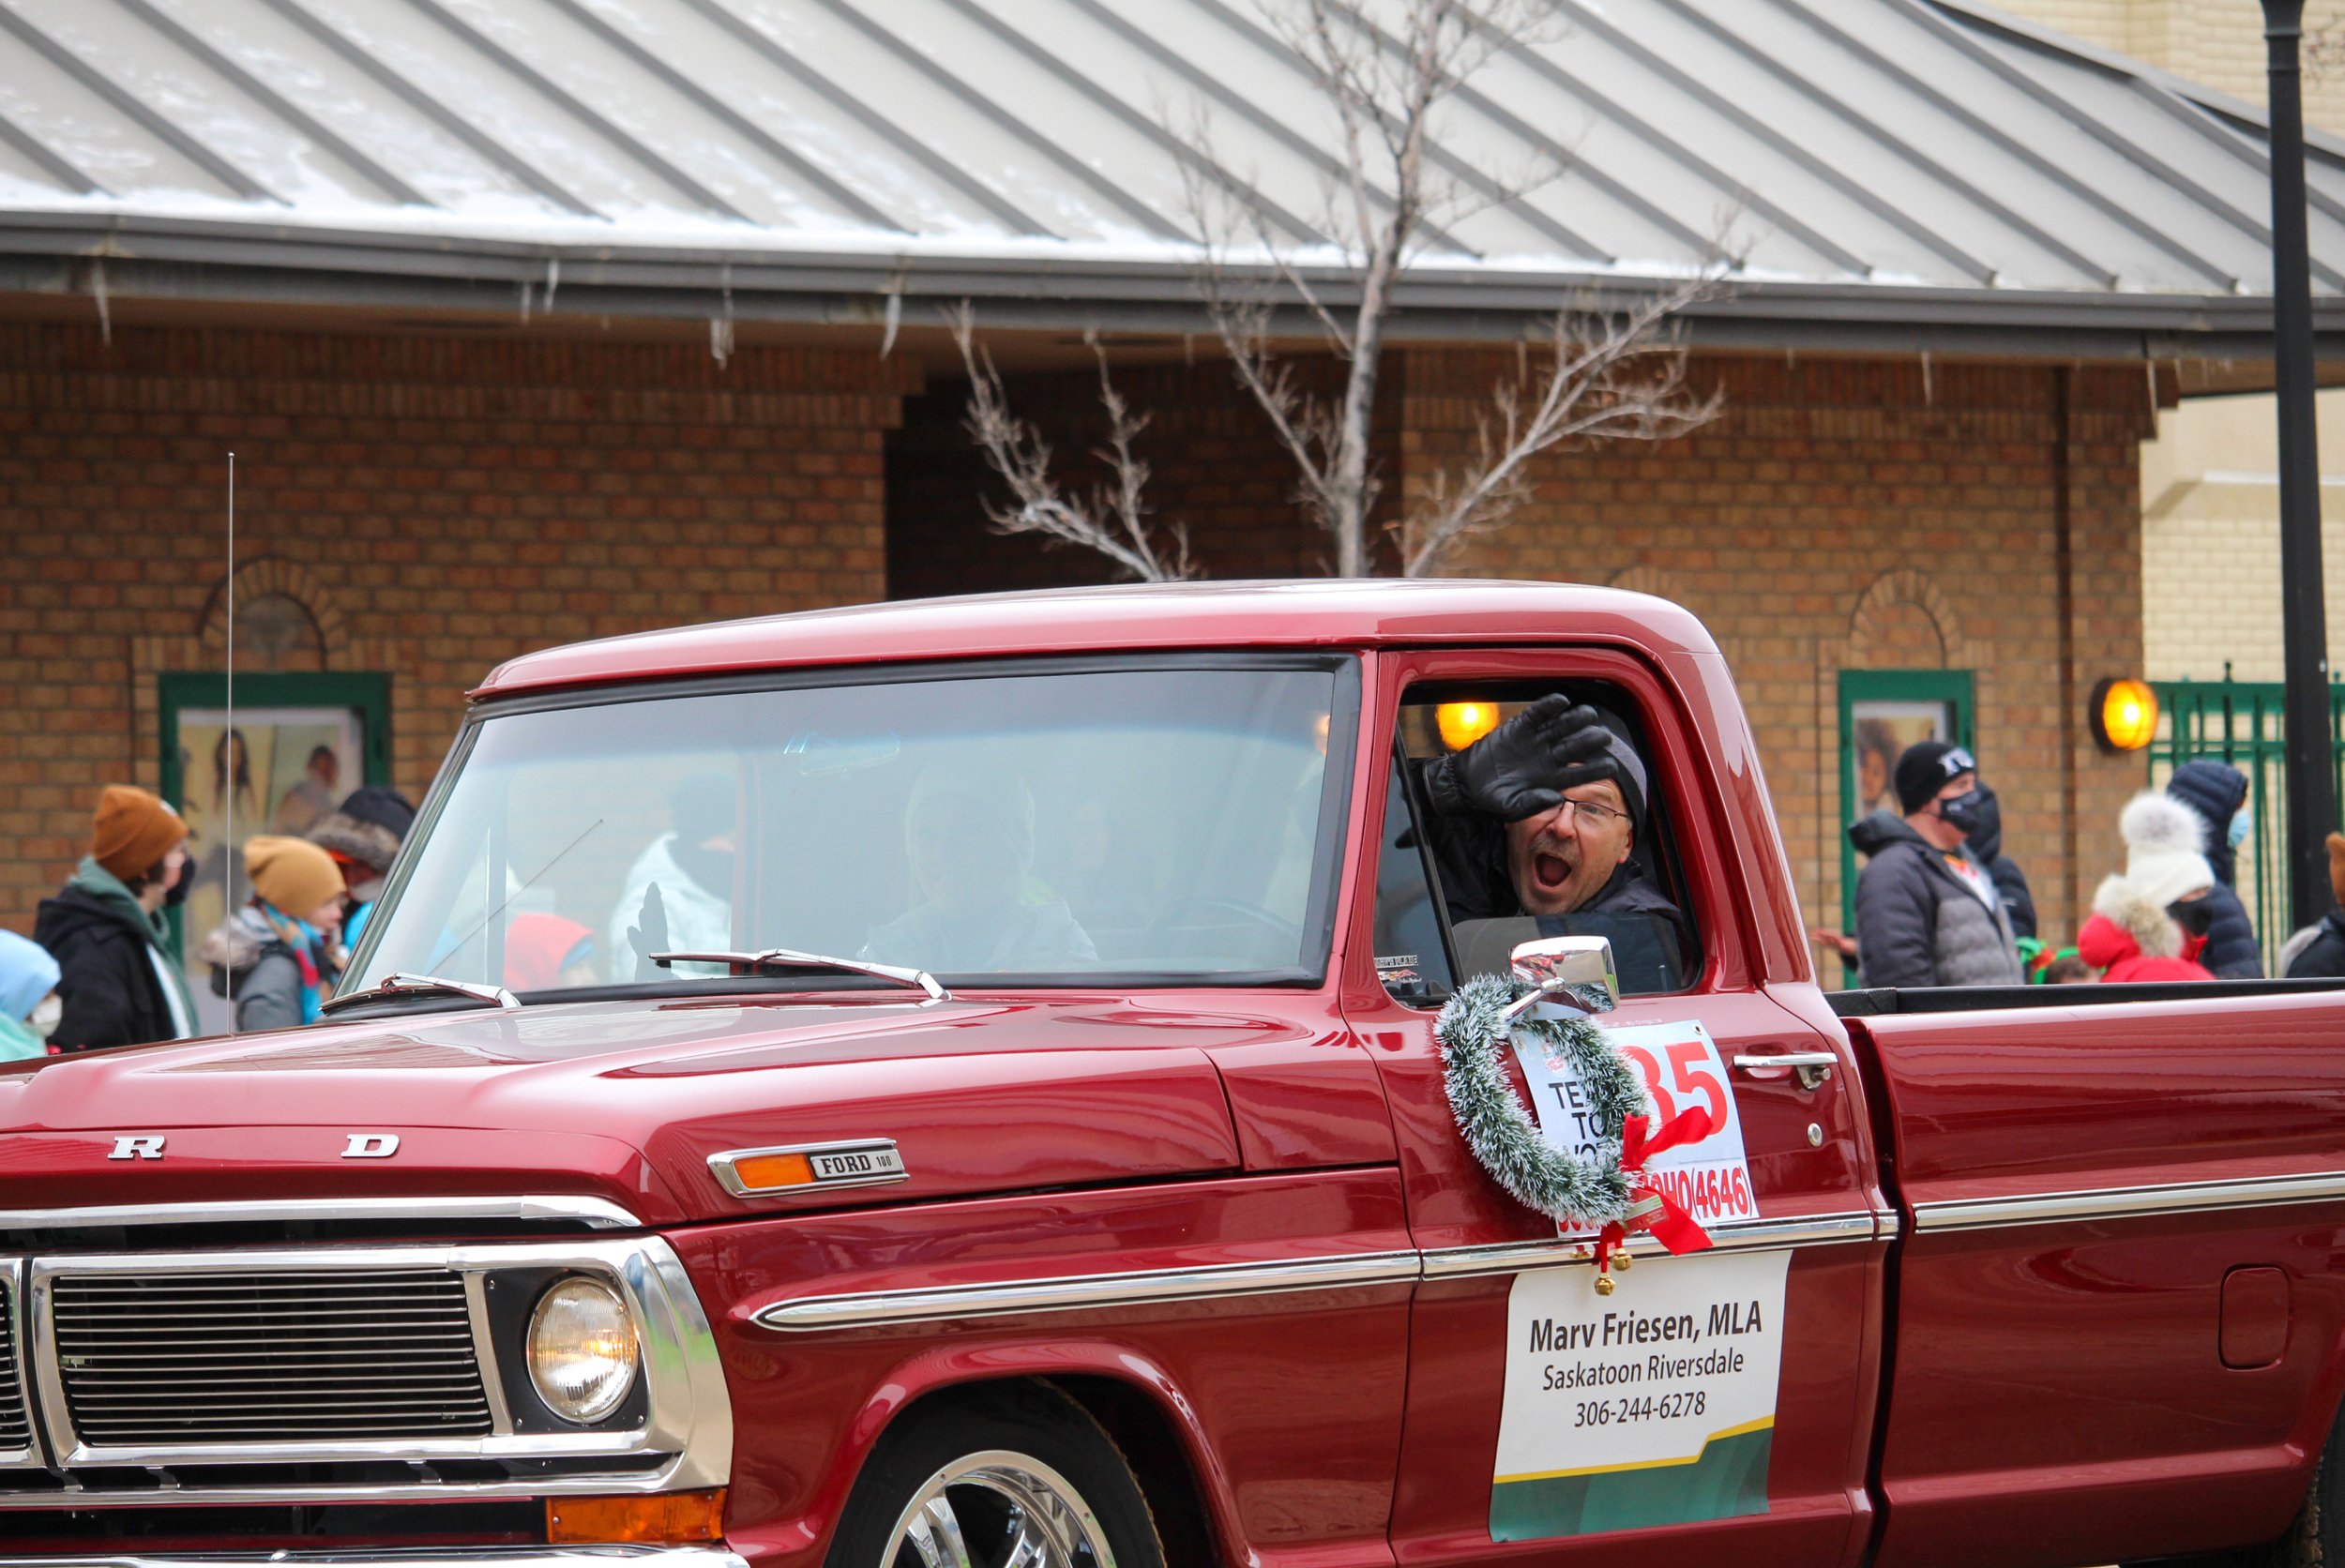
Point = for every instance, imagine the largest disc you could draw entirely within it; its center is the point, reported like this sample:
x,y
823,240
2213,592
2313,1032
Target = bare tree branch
x,y
1609,375
1111,519
1388,72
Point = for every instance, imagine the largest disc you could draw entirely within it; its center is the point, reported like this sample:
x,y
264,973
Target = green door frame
x,y
367,692
1954,687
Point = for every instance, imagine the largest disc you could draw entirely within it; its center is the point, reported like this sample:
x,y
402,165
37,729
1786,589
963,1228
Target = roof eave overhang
x,y
252,262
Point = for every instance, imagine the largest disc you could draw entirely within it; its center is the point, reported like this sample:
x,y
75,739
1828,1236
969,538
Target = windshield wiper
x,y
783,958
396,987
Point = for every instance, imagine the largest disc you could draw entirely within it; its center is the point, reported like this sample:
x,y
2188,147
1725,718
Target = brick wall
x,y
435,505
2211,539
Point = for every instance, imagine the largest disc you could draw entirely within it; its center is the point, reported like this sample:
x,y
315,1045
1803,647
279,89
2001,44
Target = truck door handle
x,y
1813,1066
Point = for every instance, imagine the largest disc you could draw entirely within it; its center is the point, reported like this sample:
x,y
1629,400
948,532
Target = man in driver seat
x,y
1538,820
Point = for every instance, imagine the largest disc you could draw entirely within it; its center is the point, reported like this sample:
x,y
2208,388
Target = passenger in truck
x,y
1541,818
969,840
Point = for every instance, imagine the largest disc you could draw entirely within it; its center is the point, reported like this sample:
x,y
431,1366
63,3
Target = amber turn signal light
x,y
2124,715
764,1172
662,1518
1463,723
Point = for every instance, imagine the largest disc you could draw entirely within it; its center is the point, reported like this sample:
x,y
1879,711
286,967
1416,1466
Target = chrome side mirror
x,y
1576,971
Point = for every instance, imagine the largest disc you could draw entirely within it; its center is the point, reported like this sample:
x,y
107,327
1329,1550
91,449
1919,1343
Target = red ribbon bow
x,y
1651,1209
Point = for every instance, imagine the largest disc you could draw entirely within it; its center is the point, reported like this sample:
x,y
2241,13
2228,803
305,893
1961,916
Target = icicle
x,y
2149,367
895,318
97,292
721,327
1930,399
526,289
553,279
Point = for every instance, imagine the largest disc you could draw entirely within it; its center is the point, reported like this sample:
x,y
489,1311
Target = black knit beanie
x,y
1928,767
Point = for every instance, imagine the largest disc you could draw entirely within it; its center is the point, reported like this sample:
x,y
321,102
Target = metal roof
x,y
1898,163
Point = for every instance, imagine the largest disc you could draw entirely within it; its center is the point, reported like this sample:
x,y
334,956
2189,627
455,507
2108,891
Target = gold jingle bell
x,y
1604,1284
1620,1261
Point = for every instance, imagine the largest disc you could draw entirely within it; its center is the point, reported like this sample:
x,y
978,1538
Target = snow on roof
x,y
1859,148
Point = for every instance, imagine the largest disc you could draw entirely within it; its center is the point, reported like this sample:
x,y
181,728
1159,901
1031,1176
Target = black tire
x,y
1026,1441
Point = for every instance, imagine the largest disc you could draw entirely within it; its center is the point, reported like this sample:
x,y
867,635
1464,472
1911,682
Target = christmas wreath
x,y
1605,1191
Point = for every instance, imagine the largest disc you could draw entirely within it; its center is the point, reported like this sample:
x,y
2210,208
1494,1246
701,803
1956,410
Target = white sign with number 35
x,y
1682,1071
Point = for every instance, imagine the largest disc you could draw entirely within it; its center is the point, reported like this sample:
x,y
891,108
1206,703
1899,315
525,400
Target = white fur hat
x,y
2164,840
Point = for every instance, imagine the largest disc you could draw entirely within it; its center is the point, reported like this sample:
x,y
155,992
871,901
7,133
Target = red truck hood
x,y
626,1101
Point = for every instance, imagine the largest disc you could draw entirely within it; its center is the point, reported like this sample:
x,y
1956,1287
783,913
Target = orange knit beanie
x,y
133,831
292,873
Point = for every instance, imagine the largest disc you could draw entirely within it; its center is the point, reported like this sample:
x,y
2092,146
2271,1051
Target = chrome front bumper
x,y
397,1556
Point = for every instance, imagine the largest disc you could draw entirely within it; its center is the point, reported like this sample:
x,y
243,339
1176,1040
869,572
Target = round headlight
x,y
581,1350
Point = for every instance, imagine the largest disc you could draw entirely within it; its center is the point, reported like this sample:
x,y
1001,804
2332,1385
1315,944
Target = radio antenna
x,y
226,777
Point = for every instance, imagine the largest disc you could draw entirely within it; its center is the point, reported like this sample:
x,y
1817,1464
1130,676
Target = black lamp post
x,y
2304,623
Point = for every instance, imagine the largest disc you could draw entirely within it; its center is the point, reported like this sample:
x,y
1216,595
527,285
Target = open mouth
x,y
1552,871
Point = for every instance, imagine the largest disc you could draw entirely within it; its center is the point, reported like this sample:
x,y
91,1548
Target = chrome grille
x,y
16,1426
172,1358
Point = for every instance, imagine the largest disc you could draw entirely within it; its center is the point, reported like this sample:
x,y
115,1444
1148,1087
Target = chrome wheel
x,y
997,1509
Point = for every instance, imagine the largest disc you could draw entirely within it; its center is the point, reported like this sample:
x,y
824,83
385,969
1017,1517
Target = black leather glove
x,y
1523,767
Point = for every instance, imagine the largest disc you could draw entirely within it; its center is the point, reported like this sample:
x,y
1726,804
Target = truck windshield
x,y
1147,824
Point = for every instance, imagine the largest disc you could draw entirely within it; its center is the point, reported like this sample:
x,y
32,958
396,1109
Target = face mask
x,y
177,893
2196,916
2242,823
47,1016
1961,813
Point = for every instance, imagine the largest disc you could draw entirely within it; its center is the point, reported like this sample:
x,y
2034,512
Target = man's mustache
x,y
1561,848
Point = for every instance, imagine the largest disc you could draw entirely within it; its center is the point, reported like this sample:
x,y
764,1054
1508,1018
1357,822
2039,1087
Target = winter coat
x,y
2213,791
1918,922
1986,842
112,966
2132,940
698,921
2320,952
253,962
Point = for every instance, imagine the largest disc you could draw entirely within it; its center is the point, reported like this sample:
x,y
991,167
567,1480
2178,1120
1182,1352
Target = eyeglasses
x,y
1602,814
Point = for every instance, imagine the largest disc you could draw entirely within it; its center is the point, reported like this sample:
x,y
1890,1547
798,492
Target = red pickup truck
x,y
955,1083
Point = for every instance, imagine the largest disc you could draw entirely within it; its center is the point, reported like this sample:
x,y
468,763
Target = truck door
x,y
2119,1305
1530,1438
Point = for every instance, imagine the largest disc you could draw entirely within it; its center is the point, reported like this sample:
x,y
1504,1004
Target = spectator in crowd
x,y
2217,794
279,954
1986,842
1926,912
105,929
29,1004
363,835
2150,922
2318,951
545,952
2067,969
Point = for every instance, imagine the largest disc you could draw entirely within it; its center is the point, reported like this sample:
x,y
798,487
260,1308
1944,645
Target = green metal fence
x,y
2239,722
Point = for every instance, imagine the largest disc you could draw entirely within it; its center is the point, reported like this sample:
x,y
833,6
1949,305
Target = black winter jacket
x,y
2214,790
1917,921
110,992
2324,956
1985,841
